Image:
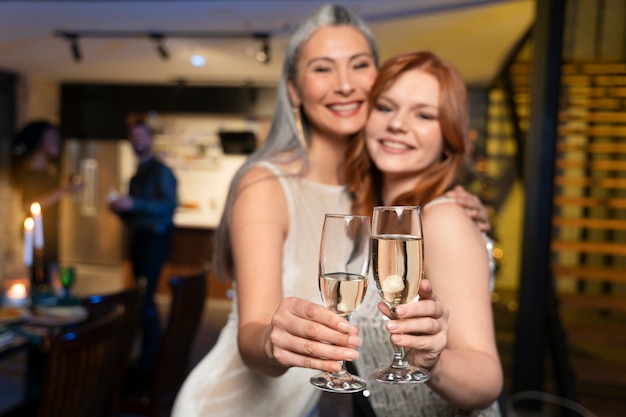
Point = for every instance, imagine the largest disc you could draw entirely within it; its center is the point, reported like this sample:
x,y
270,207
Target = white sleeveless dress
x,y
414,400
221,384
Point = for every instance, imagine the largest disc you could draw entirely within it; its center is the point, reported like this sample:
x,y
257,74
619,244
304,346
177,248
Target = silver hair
x,y
282,143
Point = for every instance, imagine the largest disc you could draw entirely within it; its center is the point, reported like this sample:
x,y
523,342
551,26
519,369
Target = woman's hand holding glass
x,y
343,273
420,327
308,335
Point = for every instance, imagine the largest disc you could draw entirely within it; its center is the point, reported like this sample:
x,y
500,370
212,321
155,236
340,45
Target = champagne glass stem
x,y
342,372
399,361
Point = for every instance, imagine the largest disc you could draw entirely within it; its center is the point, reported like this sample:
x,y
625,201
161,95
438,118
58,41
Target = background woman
x,y
35,172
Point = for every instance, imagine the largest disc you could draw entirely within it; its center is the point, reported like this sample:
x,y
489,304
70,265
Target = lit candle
x,y
35,210
29,225
17,291
16,294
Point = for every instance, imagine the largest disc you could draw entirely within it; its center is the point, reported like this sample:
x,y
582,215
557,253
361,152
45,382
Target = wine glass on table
x,y
398,266
343,270
67,276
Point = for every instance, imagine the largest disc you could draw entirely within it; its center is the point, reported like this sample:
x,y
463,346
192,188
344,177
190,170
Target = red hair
x,y
365,180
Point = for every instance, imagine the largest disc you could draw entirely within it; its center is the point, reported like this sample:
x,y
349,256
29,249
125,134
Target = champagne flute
x,y
398,263
343,270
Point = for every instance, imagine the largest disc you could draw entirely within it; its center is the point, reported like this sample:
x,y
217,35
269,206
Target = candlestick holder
x,y
38,275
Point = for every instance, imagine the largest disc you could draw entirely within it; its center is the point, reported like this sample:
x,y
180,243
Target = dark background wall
x,y
100,111
7,116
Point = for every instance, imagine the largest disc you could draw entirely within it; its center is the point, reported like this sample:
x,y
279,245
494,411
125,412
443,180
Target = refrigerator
x,y
90,234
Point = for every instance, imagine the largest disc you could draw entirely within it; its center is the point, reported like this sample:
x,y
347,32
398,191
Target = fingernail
x,y
352,355
396,338
391,325
354,341
400,311
344,327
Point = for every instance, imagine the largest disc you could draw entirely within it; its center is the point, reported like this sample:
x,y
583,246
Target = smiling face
x,y
335,72
403,133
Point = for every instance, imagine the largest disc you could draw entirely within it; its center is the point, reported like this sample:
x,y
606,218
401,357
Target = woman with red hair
x,y
414,150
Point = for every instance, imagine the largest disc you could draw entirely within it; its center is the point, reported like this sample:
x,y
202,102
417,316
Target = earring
x,y
298,119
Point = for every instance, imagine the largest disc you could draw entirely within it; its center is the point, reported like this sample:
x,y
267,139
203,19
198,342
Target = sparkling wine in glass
x,y
343,270
398,264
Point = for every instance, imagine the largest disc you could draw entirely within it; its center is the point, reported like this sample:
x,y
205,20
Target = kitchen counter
x,y
192,248
202,193
196,218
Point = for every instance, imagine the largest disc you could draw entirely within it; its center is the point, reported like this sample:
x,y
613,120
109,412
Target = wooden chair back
x,y
132,300
78,374
173,357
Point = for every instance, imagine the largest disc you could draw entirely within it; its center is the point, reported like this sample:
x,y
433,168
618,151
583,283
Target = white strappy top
x,y
221,384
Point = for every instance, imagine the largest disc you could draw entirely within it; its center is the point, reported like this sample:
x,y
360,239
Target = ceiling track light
x,y
262,55
159,39
72,38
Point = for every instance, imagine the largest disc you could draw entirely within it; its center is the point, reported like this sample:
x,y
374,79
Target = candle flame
x,y
29,223
35,209
17,290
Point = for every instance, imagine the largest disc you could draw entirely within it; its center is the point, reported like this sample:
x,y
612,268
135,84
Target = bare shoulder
x,y
450,233
259,198
445,210
448,219
257,176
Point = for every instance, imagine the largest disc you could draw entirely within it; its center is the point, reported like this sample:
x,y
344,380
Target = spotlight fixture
x,y
159,38
72,38
263,54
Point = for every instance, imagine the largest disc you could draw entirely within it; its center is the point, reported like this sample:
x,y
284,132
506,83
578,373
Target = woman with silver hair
x,y
268,239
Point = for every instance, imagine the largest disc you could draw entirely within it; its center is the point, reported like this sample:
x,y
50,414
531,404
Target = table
x,y
21,330
11,339
13,345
